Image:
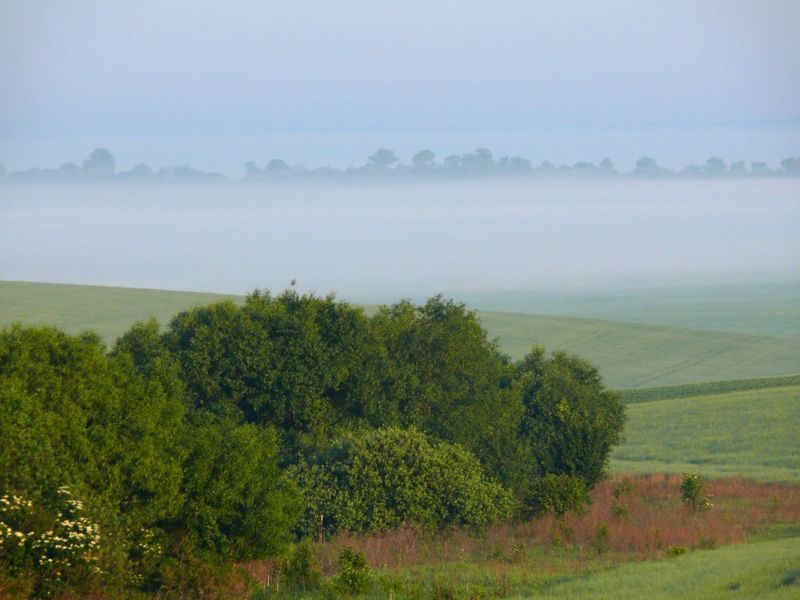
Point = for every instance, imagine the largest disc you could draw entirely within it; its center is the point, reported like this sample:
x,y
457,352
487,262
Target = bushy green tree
x,y
71,415
238,503
300,363
382,479
446,378
571,421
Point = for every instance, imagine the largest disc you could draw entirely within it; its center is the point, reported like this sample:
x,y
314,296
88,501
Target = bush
x,y
558,494
694,493
601,538
386,478
300,568
674,551
623,488
354,573
51,548
620,511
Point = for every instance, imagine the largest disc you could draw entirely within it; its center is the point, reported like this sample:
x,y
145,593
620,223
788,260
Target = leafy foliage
x,y
694,492
239,427
447,379
354,575
384,478
299,363
238,504
54,547
558,494
571,421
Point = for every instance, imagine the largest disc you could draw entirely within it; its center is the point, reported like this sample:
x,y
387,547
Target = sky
x,y
323,82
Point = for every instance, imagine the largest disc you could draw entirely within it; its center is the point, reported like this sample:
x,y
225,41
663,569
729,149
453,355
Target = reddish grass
x,y
657,519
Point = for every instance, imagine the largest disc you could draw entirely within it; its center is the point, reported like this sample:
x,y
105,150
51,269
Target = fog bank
x,y
385,242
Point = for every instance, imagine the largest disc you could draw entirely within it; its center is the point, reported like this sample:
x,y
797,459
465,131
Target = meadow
x,y
629,355
771,309
748,433
655,544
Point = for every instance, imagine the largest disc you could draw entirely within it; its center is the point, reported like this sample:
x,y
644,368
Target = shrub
x,y
620,510
558,494
385,478
300,568
674,551
51,547
354,573
601,536
694,492
707,543
623,488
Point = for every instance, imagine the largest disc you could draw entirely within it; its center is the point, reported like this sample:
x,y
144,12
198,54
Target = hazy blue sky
x,y
74,75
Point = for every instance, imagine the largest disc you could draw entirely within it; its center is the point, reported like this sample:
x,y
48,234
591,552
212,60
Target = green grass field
x,y
771,309
751,434
108,311
769,569
629,355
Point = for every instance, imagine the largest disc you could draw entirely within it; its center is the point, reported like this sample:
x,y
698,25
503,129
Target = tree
x,y
738,168
303,364
72,415
446,378
277,165
239,506
791,166
648,167
383,158
423,160
715,166
571,421
607,165
100,163
760,169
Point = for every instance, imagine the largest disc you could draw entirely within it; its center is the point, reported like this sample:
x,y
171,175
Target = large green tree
x,y
446,378
571,421
303,364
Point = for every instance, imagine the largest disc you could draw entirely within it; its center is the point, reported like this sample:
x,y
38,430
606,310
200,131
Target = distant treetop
x,y
384,164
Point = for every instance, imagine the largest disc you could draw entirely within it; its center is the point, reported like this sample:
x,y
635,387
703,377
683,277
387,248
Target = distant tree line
x,y
384,164
241,428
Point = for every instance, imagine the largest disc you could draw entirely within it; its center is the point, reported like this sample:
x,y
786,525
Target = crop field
x,y
629,355
749,434
672,392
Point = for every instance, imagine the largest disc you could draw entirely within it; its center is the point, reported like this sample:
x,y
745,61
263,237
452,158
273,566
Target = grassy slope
x,y
762,309
629,355
751,433
763,569
109,311
632,355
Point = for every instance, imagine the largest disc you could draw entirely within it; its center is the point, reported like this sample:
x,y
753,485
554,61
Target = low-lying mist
x,y
389,241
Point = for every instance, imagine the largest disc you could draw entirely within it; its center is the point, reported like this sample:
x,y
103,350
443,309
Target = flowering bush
x,y
52,547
